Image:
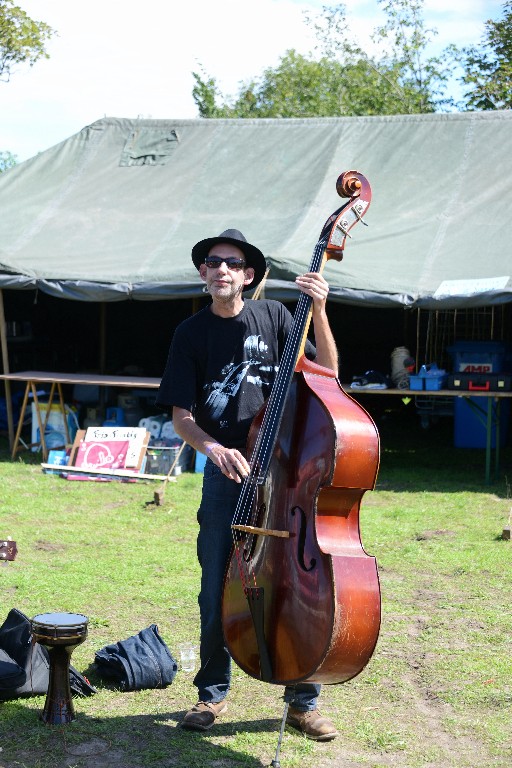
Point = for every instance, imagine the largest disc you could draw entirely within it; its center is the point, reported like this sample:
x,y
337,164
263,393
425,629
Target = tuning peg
x,y
343,226
358,210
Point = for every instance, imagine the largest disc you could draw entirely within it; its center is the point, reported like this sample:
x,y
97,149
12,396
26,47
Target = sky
x,y
121,58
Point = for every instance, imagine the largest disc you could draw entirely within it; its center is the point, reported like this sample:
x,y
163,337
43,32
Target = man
x,y
221,366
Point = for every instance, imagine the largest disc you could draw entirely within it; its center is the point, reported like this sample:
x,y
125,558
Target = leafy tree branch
x,y
22,40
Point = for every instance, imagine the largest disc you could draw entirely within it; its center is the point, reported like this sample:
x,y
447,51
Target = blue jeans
x,y
215,514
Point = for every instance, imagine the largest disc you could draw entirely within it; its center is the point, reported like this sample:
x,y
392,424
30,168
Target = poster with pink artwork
x,y
107,454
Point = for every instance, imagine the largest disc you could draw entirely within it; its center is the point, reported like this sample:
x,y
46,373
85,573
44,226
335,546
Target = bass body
x,y
318,595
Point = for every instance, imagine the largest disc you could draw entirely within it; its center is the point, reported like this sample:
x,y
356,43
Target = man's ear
x,y
202,272
249,275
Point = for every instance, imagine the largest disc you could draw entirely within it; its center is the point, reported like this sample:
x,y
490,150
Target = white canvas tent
x,y
112,212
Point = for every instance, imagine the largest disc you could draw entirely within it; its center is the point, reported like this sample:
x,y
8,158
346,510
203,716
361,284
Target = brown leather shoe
x,y
311,724
203,715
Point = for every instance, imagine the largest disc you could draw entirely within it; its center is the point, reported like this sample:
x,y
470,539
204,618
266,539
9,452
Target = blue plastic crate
x,y
416,382
430,377
477,356
434,383
470,422
200,462
57,458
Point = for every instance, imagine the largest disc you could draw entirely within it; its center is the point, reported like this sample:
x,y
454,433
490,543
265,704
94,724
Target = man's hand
x,y
315,285
230,461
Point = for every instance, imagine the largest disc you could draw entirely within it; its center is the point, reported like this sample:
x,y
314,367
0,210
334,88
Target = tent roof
x,y
112,212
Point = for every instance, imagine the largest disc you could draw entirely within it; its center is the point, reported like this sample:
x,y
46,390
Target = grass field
x,y
437,692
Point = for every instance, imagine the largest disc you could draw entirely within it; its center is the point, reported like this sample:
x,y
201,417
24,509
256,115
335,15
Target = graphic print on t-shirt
x,y
234,374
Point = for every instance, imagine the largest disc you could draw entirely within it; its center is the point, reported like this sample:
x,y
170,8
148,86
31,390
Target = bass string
x,y
246,512
287,365
273,412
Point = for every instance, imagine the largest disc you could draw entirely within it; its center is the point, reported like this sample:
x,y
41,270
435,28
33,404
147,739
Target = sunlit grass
x,y
437,691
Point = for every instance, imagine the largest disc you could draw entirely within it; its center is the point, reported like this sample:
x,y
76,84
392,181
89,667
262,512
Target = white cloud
x,y
129,58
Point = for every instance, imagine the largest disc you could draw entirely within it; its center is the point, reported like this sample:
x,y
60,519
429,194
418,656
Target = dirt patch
x,y
49,546
426,535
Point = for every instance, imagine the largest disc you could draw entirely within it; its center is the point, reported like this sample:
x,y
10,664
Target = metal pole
x,y
275,762
5,362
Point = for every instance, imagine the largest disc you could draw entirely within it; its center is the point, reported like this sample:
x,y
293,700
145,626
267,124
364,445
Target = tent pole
x,y
103,336
5,363
102,352
418,340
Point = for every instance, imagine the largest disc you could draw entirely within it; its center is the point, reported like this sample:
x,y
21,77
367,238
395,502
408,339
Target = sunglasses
x,y
231,262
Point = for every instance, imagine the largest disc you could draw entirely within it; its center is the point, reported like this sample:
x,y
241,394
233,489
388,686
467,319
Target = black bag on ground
x,y
141,661
24,665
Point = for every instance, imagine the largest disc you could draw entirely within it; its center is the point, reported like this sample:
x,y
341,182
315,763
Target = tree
x,y
298,87
7,160
488,68
422,80
21,38
343,79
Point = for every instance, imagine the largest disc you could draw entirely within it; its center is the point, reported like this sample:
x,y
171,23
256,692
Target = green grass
x,y
437,692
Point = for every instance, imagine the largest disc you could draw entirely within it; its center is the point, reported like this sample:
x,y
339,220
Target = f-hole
x,y
301,542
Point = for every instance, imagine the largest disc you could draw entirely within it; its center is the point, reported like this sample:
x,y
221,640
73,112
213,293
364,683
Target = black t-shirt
x,y
222,369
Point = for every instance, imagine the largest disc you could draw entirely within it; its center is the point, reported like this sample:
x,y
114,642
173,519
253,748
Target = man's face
x,y
226,280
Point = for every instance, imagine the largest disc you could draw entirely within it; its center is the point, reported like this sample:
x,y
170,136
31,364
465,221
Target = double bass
x,y
301,598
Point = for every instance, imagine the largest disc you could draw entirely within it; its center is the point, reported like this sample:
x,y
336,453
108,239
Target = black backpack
x,y
24,664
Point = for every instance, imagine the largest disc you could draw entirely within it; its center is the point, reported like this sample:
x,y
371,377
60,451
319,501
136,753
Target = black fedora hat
x,y
253,256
